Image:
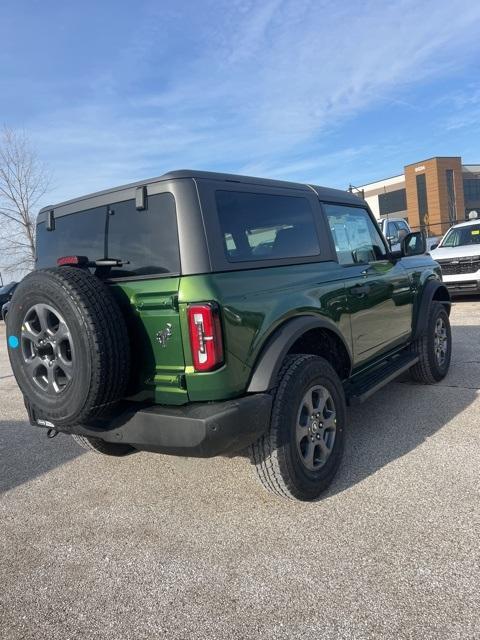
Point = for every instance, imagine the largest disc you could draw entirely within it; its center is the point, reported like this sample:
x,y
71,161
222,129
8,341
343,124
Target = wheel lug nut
x,y
318,436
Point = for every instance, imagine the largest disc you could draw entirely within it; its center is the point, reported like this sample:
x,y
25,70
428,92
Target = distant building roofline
x,y
369,184
411,164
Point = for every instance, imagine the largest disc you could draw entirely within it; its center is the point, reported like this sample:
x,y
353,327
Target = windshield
x,y
461,236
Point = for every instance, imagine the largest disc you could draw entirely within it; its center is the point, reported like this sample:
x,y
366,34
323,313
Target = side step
x,y
358,390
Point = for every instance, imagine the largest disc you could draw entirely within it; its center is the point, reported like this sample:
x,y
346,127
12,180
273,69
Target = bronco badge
x,y
164,335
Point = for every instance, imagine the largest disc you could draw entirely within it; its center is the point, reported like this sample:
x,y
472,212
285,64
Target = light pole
x,y
352,188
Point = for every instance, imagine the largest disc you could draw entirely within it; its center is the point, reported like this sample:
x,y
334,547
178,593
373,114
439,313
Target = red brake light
x,y
72,260
205,336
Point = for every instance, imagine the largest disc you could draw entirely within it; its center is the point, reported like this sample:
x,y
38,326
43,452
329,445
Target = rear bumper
x,y
198,429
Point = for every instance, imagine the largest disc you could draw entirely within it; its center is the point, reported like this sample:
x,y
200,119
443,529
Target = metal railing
x,y
434,230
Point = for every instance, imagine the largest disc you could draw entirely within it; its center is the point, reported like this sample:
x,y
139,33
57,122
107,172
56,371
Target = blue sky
x,y
320,91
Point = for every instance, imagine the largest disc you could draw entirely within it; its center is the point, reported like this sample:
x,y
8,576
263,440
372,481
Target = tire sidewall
x,y
438,372
308,484
38,288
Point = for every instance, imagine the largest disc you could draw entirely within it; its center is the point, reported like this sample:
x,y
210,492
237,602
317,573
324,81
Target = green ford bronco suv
x,y
204,314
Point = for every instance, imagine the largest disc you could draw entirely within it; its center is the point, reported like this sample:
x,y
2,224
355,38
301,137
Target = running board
x,y
368,383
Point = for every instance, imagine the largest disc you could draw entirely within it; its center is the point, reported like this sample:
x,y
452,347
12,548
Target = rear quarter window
x,y
147,241
257,226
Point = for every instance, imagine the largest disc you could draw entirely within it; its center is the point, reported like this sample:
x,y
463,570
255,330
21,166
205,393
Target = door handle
x,y
360,290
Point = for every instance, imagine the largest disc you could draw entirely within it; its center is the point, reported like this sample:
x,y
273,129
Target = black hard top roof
x,y
324,193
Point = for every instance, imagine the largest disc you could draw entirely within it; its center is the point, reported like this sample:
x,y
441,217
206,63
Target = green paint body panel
x,y
254,304
150,306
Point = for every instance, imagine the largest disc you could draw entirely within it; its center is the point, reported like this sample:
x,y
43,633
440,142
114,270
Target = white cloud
x,y
464,110
265,85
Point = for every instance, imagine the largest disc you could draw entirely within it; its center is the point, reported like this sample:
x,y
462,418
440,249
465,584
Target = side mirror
x,y
434,246
414,244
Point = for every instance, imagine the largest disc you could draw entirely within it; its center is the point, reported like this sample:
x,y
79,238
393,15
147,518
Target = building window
x,y
452,207
471,190
392,202
422,198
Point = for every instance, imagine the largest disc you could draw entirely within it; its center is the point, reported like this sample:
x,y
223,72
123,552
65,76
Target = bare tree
x,y
23,182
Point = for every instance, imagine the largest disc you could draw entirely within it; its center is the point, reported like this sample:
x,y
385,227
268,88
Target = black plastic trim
x,y
269,363
200,430
421,313
368,383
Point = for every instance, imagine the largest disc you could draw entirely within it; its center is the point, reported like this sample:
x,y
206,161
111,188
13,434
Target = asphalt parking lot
x,y
156,546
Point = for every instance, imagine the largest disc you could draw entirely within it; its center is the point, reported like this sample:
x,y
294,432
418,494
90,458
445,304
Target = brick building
x,y
431,194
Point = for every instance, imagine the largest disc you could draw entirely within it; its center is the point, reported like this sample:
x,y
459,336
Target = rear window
x,y
257,226
146,241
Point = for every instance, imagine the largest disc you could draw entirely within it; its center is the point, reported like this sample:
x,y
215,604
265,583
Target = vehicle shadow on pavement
x,y
403,415
26,452
391,424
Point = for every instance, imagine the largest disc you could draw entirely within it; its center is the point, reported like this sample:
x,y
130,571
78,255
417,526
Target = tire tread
x,y
422,371
266,451
102,322
97,445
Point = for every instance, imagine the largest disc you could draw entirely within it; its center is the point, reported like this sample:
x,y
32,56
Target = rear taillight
x,y
205,336
72,260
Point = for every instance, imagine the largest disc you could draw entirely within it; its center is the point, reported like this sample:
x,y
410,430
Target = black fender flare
x,y
270,360
421,315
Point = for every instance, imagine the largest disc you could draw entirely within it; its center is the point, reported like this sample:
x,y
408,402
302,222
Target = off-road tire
x,y
428,370
99,339
100,446
275,456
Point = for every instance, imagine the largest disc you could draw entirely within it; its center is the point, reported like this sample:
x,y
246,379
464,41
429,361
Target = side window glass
x,y
392,232
261,226
402,229
356,238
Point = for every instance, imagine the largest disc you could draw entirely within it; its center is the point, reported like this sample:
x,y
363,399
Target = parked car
x,y
394,230
458,254
204,314
4,310
6,292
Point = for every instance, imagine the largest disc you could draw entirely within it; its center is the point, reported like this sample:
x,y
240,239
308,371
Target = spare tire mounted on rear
x,y
72,359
